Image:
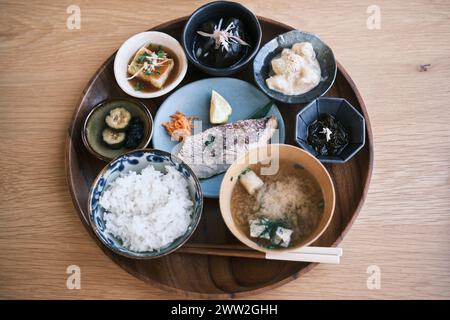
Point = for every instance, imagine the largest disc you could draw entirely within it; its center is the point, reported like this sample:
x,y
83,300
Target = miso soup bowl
x,y
270,153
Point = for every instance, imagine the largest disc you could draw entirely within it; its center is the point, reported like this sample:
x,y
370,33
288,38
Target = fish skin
x,y
212,151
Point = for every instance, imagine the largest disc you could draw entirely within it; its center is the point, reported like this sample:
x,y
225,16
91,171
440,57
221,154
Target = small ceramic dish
x,y
297,156
262,65
345,113
128,50
136,161
215,11
95,123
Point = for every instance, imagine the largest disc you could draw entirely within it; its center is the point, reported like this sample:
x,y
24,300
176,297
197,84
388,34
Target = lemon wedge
x,y
219,110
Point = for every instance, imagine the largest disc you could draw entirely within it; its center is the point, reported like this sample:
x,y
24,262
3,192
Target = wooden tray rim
x,y
192,294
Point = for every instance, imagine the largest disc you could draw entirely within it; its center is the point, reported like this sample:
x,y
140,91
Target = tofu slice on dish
x,y
155,79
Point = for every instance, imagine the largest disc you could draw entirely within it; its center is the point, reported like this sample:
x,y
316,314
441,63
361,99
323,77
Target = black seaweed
x,y
204,47
317,138
135,133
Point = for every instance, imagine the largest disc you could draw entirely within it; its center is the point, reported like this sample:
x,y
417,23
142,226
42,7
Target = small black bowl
x,y
345,113
262,65
216,10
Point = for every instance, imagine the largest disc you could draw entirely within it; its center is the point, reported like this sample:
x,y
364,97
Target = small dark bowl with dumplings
x,y
262,65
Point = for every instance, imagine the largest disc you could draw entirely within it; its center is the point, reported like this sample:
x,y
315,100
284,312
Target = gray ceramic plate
x,y
194,100
262,68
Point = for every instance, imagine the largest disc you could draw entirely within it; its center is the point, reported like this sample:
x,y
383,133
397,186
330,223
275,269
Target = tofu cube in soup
x,y
258,229
282,237
250,181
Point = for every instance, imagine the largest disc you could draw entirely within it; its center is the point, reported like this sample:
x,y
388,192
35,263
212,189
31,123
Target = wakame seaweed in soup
x,y
328,136
220,43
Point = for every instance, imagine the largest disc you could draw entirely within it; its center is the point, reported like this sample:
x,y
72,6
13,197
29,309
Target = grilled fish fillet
x,y
212,151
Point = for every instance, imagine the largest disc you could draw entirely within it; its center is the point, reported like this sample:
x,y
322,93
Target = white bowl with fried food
x,y
128,53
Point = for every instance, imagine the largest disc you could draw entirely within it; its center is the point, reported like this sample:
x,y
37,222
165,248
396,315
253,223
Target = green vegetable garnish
x,y
298,166
161,54
270,246
139,85
321,204
271,226
210,140
142,57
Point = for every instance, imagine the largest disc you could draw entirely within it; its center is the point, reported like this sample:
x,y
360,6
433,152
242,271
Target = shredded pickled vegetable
x,y
223,38
180,126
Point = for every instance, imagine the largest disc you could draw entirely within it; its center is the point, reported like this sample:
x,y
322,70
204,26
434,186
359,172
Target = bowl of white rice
x,y
145,204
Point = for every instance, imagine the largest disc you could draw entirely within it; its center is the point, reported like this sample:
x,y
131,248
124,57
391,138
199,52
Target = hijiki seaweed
x,y
327,136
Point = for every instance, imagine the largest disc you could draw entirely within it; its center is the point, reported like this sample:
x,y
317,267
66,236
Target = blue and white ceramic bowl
x,y
136,161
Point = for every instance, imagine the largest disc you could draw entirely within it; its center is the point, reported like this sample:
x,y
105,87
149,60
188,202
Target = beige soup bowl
x,y
266,153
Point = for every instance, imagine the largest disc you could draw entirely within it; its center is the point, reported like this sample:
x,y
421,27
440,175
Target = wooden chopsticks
x,y
305,254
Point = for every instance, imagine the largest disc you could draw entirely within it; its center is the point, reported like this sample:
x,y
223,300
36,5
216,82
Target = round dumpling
x,y
304,49
294,62
296,70
278,66
286,52
309,75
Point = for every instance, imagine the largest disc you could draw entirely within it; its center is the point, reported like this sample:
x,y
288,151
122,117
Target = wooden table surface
x,y
403,228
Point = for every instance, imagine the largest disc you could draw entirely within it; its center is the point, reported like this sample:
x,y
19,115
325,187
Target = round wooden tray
x,y
214,276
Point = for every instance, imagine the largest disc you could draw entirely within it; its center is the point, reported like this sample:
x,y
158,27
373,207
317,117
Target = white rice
x,y
147,210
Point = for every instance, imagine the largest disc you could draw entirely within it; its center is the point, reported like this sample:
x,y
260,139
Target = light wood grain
x,y
403,227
